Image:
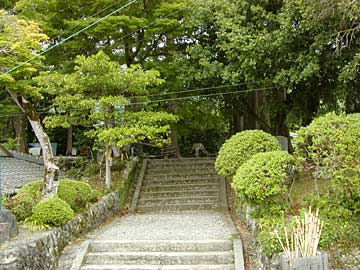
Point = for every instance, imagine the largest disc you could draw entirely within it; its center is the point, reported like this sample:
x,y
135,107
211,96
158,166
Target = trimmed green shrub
x,y
27,197
241,147
52,212
265,177
76,193
330,145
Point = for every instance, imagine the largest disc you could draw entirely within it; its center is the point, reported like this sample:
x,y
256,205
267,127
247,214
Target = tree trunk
x,y
108,162
50,186
173,133
69,141
20,133
108,151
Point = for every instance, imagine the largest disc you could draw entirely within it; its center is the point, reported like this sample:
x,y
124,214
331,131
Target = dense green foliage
x,y
329,149
331,146
241,147
265,178
77,194
52,211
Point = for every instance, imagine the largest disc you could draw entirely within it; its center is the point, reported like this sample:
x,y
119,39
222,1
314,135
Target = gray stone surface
x,y
15,173
283,142
184,225
170,185
4,232
8,218
42,250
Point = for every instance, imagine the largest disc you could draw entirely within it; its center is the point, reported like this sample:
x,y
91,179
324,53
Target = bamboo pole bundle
x,y
304,238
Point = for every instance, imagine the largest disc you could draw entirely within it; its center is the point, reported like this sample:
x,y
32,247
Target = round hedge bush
x,y
76,193
331,146
241,147
27,197
52,212
263,177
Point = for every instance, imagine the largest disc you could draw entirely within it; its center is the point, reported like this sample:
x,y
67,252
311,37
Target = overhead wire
x,y
177,92
196,89
159,100
205,95
145,26
143,96
78,24
70,37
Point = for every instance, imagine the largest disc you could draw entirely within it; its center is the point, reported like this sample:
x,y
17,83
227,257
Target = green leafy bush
x,y
341,225
76,193
265,232
52,212
241,147
331,146
265,177
27,197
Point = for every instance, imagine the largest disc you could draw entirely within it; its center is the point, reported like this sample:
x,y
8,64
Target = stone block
x,y
7,217
319,262
283,142
4,232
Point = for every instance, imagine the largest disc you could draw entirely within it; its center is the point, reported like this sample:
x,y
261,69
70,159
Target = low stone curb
x,y
80,256
138,186
43,253
239,255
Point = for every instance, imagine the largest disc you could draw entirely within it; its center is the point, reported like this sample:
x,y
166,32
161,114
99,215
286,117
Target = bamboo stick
x,y
303,239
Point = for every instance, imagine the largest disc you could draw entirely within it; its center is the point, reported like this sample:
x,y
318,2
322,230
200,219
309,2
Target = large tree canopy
x,y
269,64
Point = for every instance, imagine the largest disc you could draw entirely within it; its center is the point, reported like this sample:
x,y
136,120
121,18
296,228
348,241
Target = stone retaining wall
x,y
43,253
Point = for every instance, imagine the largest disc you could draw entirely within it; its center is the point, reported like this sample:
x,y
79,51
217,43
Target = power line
x,y
205,95
147,25
161,100
170,93
78,24
70,37
197,89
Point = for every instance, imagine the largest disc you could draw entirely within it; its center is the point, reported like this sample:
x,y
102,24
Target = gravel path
x,y
185,225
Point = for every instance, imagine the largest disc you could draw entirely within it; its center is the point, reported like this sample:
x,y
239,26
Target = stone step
x,y
182,166
171,207
185,174
180,160
161,246
152,164
182,187
160,258
183,181
187,171
178,200
162,267
179,193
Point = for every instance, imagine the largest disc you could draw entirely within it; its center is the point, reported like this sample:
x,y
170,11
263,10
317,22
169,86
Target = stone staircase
x,y
171,194
166,255
180,184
